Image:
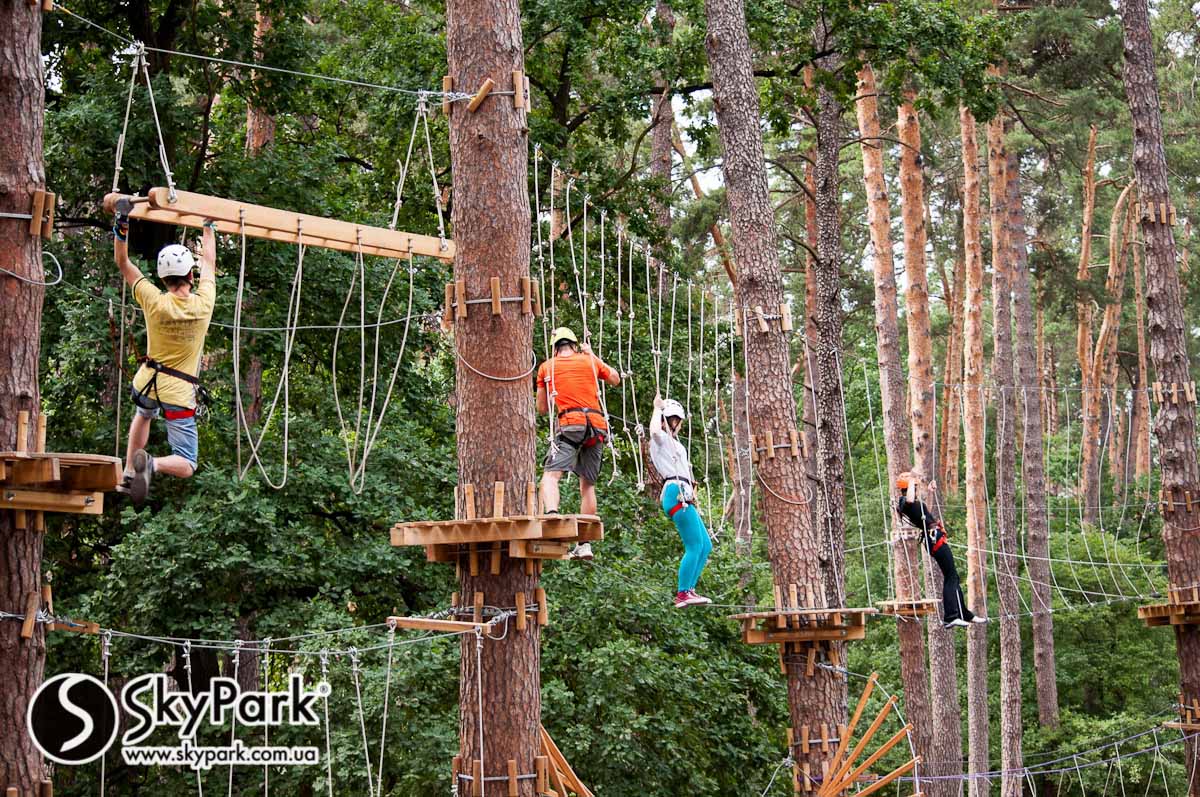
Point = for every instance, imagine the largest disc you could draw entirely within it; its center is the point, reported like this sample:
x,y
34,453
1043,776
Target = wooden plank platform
x,y
50,482
557,528
914,608
233,217
831,624
1181,613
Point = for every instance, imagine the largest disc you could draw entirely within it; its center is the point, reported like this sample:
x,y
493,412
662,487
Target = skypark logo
x,y
150,701
72,720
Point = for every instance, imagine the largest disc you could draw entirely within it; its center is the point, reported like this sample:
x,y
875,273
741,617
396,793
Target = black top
x,y
916,513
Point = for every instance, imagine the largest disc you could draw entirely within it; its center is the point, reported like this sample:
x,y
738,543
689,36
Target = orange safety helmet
x,y
902,482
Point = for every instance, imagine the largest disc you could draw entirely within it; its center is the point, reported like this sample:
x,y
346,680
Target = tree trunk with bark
x,y
793,544
1033,462
1008,562
1047,370
489,152
21,173
951,437
976,477
260,124
1175,422
1089,477
1140,423
907,565
662,144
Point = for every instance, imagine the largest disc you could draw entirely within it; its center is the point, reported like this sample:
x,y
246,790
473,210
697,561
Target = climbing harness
x,y
142,397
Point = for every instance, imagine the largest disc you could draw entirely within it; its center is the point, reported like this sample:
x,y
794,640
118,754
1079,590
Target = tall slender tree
x,y
1008,562
1175,422
907,566
489,151
976,477
792,542
22,103
1033,456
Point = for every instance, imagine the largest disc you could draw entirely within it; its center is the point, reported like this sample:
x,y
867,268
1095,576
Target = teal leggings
x,y
696,545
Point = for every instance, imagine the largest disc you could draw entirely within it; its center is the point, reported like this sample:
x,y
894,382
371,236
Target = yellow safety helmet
x,y
561,334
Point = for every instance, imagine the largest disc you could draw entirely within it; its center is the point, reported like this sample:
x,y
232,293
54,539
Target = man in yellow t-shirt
x,y
176,323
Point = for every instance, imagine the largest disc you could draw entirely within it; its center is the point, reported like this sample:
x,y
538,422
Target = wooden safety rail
x,y
233,217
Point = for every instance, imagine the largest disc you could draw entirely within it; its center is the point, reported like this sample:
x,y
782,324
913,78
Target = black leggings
x,y
954,606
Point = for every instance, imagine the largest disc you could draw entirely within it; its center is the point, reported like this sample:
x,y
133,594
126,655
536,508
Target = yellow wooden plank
x,y
92,477
431,624
35,471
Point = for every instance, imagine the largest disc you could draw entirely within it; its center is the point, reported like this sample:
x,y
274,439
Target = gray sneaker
x,y
979,619
143,470
957,622
582,551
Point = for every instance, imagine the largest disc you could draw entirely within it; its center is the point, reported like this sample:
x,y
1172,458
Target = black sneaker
x,y
143,470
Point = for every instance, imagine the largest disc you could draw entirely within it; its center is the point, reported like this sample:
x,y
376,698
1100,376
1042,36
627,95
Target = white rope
x,y
38,283
325,701
266,685
387,689
412,139
479,706
283,386
187,667
162,146
362,721
237,663
133,76
105,655
437,192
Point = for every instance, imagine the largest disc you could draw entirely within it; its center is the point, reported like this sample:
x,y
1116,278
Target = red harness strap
x,y
941,541
671,512
177,415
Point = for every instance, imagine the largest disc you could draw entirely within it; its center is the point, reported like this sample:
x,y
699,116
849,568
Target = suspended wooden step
x,y
914,608
1189,715
843,771
37,482
233,217
1182,608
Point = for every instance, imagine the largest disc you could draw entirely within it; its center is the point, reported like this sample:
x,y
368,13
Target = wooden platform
x,y
1174,613
1189,716
921,607
804,625
522,537
36,481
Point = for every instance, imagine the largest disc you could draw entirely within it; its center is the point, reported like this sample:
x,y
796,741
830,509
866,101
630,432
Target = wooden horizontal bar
x,y
93,477
47,501
76,626
431,624
481,95
192,210
35,471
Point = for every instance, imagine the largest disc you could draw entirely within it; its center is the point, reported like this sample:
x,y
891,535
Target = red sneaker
x,y
696,600
681,600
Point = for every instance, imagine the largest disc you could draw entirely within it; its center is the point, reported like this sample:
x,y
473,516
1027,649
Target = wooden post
x,y
477,778
469,501
526,295
460,296
543,611
531,506
512,778
447,87
518,79
785,313
448,314
495,284
478,607
35,222
498,500
540,769
521,618
23,431
31,608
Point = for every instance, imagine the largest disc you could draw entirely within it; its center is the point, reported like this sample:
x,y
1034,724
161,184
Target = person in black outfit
x,y
913,511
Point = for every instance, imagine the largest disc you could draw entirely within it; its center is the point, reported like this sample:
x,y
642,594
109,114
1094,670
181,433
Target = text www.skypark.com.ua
x,y
237,754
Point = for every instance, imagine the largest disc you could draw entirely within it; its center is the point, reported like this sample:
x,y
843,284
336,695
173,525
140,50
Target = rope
x,y
362,721
133,75
283,385
237,663
38,283
387,689
325,700
266,682
187,666
105,654
479,707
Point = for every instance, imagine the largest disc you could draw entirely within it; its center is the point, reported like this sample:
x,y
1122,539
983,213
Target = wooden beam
x,y
192,210
35,471
849,779
44,501
31,607
858,748
481,95
430,624
92,477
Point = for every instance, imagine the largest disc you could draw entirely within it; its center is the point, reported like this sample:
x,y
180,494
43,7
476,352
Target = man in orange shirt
x,y
568,383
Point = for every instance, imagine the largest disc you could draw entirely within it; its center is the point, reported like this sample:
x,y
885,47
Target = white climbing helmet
x,y
175,261
673,409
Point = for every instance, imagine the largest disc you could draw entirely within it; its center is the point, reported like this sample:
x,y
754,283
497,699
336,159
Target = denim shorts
x,y
181,433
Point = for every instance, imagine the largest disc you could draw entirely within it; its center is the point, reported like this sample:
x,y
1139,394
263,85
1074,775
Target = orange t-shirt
x,y
574,379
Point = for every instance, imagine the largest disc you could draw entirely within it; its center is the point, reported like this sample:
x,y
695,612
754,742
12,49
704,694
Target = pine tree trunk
x,y
1175,423
662,144
1007,558
809,430
1089,441
489,152
976,477
793,545
1046,370
22,661
952,377
1140,424
1033,465
907,550
260,125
